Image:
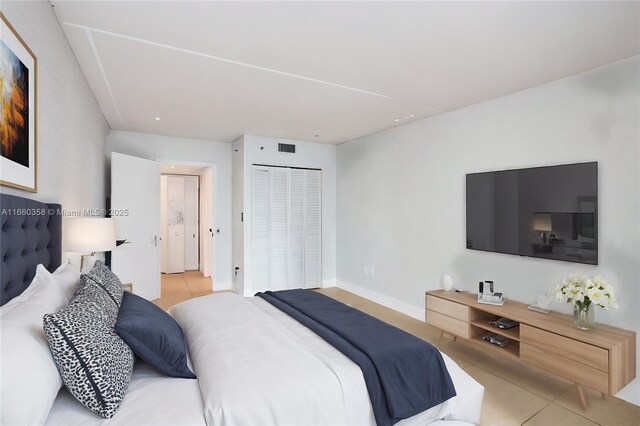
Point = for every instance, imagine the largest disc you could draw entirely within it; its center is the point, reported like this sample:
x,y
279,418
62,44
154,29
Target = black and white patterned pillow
x,y
101,278
104,305
94,362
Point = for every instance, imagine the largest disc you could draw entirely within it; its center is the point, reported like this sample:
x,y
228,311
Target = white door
x,y
191,231
175,252
296,228
135,201
260,211
278,229
312,228
206,222
164,228
175,225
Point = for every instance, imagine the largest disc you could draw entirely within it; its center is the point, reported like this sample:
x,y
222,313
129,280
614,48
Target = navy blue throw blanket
x,y
404,374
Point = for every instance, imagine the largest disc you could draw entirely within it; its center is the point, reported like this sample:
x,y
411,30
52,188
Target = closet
x,y
286,228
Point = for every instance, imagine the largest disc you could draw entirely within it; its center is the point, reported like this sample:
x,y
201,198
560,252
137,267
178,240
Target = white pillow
x,y
30,380
66,278
88,262
41,275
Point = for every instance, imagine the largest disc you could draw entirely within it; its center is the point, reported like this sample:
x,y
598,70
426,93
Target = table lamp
x,y
89,235
542,224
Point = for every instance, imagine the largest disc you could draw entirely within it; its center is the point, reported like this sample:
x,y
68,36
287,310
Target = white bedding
x,y
152,399
258,366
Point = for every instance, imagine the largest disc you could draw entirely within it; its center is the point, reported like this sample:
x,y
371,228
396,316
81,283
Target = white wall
x,y
401,193
180,149
237,161
264,150
71,127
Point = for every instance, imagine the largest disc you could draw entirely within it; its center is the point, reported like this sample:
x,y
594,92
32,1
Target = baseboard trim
x,y
329,283
222,285
390,302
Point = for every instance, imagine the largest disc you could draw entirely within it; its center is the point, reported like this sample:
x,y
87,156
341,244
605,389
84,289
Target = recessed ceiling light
x,y
158,118
173,167
404,117
188,169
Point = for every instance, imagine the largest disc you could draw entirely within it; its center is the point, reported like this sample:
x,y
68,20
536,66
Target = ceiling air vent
x,y
286,147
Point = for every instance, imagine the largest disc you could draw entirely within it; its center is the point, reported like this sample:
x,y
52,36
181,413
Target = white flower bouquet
x,y
585,293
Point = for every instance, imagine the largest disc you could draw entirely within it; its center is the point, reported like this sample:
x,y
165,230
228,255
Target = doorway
x,y
179,223
135,191
186,206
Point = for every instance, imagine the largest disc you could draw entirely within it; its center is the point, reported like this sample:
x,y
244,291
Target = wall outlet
x,y
372,271
366,270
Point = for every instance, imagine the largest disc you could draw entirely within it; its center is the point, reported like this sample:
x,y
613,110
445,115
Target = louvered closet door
x,y
279,224
312,228
260,226
286,227
296,228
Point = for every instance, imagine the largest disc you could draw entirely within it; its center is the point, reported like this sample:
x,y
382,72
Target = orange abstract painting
x,y
14,107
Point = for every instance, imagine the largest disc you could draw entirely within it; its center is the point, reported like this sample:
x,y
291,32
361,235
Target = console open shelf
x,y
511,351
512,333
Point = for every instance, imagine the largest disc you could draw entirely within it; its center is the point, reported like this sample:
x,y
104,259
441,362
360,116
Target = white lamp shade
x,y
89,234
542,222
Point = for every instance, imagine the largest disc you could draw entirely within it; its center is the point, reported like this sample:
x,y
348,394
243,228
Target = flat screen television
x,y
546,212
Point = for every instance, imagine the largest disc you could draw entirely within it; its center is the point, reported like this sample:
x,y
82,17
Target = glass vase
x,y
583,316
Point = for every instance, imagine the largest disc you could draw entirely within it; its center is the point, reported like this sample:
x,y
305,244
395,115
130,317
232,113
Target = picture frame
x,y
18,111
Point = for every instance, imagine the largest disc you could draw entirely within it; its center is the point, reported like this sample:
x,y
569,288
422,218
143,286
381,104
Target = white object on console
x,y
544,300
543,303
446,282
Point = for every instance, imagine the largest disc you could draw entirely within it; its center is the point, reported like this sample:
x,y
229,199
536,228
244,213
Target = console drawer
x,y
583,353
449,324
448,308
564,367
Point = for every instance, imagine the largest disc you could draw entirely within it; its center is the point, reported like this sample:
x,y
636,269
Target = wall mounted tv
x,y
546,212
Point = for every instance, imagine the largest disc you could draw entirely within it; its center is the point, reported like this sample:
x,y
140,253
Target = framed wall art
x,y
18,131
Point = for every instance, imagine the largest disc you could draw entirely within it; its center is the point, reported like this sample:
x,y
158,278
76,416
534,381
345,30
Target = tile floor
x,y
515,394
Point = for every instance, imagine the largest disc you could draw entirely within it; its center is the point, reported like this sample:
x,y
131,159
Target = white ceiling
x,y
339,70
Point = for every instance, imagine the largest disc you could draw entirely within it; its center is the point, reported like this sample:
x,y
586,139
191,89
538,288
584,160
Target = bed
x,y
255,364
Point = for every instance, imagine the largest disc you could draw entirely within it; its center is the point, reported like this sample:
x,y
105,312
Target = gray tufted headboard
x,y
31,234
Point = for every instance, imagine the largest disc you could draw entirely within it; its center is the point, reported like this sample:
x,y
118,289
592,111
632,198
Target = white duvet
x,y
151,399
257,366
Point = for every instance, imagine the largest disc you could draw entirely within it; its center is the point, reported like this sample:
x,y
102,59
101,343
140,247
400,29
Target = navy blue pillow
x,y
153,335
